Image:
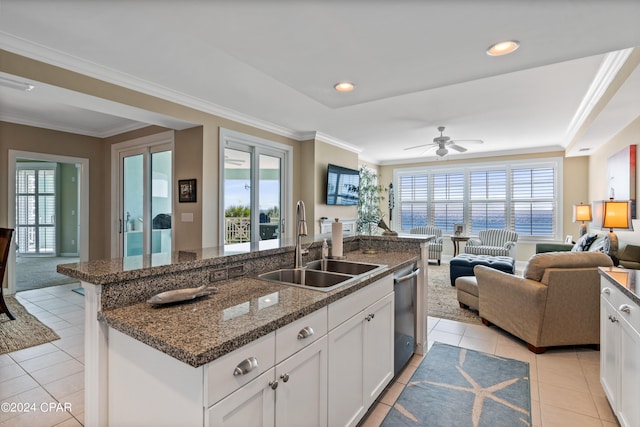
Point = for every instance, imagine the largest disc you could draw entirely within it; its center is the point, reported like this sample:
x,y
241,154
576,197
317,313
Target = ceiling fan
x,y
442,144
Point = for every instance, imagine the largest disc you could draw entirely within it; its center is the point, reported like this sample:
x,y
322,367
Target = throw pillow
x,y
583,243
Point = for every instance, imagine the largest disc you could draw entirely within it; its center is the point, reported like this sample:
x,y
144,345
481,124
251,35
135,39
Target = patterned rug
x,y
457,387
26,331
443,299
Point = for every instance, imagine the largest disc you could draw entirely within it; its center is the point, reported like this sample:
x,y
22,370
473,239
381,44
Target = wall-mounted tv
x,y
342,185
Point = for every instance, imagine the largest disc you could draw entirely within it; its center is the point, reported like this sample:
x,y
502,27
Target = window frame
x,y
556,163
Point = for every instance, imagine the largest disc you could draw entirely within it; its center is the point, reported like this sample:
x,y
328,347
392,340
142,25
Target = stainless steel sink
x,y
341,266
310,279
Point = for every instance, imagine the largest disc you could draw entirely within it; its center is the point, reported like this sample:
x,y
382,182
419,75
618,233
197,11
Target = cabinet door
x,y
609,350
629,410
251,405
378,347
301,396
346,373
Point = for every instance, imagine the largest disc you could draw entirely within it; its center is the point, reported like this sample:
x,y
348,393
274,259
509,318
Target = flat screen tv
x,y
342,185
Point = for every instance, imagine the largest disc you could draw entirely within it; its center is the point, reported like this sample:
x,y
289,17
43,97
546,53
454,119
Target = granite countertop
x,y
627,280
244,309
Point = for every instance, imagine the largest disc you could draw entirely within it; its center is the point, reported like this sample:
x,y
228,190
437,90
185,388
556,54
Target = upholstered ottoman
x,y
463,264
467,288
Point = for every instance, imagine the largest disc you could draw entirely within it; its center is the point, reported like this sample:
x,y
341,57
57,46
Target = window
x,y
254,187
487,194
448,200
520,195
413,194
36,208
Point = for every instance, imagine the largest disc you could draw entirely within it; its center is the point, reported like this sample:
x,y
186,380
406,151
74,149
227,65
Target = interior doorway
x,y
48,204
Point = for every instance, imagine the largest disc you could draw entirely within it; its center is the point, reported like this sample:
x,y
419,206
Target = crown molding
x,y
70,129
611,65
60,59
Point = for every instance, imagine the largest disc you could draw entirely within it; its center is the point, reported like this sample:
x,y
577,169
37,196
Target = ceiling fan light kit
x,y
442,144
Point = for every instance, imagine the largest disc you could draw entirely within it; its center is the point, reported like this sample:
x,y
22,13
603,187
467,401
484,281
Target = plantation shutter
x,y
448,200
488,193
413,196
533,206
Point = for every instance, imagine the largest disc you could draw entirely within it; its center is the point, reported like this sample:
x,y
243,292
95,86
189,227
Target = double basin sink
x,y
322,275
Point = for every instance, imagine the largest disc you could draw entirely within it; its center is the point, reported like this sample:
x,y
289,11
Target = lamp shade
x,y
617,214
581,212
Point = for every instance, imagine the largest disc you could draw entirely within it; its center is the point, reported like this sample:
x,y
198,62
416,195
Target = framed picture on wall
x,y
187,191
622,176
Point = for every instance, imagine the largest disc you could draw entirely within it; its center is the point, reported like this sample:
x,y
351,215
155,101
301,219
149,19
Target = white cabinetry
x,y
620,353
360,351
291,394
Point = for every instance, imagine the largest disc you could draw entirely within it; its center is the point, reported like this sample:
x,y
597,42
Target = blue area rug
x,y
456,387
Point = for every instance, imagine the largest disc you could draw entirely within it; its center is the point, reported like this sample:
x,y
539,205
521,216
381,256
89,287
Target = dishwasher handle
x,y
409,276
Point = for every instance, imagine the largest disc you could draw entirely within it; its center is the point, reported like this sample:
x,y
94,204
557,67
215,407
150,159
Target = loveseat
x,y
556,301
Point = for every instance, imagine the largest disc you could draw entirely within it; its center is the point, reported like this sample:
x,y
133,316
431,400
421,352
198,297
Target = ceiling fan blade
x,y
417,146
457,148
431,148
467,141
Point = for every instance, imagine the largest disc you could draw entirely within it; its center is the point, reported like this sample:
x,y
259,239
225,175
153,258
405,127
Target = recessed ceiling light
x,y
344,87
503,48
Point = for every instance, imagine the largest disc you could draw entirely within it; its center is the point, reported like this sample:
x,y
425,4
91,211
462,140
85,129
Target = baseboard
x,y
75,255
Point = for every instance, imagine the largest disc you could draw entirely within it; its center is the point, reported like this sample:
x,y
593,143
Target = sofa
x,y
629,257
556,302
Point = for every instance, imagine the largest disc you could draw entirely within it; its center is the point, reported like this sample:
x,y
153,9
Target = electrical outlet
x,y
236,271
217,275
73,242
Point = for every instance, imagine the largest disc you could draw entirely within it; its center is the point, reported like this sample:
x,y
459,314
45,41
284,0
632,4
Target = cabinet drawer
x,y
344,308
220,377
299,334
624,306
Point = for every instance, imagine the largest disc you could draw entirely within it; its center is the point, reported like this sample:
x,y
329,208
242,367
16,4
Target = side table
x,y
456,243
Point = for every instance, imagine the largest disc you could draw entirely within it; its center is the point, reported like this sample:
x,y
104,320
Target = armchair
x,y
493,242
435,246
556,302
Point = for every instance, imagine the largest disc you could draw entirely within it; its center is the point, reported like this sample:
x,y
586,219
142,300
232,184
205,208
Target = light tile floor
x,y
44,385
565,384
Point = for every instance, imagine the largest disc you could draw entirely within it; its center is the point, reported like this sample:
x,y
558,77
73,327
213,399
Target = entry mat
x,y
458,387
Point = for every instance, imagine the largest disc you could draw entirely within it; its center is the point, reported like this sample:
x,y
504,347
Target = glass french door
x,y
145,200
253,189
36,209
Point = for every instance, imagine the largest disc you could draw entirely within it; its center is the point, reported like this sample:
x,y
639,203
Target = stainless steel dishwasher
x,y
405,287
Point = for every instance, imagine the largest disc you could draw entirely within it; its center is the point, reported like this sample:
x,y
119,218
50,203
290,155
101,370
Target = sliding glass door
x,y
145,200
253,187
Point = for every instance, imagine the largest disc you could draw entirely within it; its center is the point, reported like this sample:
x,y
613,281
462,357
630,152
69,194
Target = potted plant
x,y
370,194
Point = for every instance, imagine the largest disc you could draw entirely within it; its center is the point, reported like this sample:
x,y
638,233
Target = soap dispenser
x,y
325,254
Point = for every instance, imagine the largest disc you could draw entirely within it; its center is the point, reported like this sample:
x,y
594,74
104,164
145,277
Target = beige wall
x,y
325,154
598,179
187,155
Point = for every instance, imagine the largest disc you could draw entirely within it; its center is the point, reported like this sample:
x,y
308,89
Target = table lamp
x,y
582,213
615,214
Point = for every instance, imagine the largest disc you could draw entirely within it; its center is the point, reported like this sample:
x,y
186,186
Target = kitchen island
x,y
194,336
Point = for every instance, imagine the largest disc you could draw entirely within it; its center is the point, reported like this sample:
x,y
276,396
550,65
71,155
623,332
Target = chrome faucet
x,y
301,230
